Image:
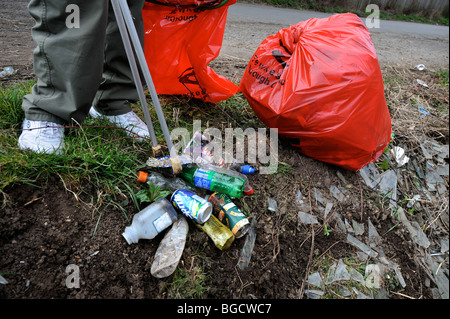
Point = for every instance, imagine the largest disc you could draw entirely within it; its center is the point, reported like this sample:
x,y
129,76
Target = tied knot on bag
x,y
296,34
288,43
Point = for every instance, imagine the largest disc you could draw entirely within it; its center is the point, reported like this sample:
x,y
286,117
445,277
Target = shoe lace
x,y
51,130
132,119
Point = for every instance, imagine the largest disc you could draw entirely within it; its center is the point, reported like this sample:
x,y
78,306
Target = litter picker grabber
x,y
128,30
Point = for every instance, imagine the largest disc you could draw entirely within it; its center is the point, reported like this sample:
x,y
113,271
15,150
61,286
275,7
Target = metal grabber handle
x,y
128,30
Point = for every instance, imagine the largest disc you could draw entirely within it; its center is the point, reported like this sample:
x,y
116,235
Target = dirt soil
x,y
46,228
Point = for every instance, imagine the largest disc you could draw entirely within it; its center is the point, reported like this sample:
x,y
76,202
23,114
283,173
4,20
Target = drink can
x,y
229,214
220,234
192,205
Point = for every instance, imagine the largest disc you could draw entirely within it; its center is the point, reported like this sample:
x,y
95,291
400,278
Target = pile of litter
x,y
215,214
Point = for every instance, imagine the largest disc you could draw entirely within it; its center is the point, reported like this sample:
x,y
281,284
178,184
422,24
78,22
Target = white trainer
x,y
42,137
129,121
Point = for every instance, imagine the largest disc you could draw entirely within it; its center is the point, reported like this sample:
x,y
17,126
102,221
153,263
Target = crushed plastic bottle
x,y
170,249
150,221
7,71
220,234
159,180
249,245
197,148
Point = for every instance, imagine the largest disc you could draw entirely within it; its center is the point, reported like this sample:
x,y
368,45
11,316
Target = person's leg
x,y
68,66
67,61
118,89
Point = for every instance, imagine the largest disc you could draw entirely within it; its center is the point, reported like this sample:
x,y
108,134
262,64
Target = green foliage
x,y
329,7
152,193
326,231
95,154
188,284
443,76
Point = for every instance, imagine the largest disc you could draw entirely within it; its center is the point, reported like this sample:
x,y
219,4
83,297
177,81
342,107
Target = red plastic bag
x,y
180,42
190,3
319,82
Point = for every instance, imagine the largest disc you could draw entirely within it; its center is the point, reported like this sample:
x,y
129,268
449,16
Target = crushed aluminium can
x,y
192,205
229,214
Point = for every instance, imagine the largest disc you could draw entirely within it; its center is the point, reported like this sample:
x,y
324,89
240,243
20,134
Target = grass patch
x,y
95,154
284,168
188,283
11,114
443,76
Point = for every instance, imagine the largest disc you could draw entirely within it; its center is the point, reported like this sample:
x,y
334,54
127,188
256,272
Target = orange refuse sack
x,y
181,38
319,82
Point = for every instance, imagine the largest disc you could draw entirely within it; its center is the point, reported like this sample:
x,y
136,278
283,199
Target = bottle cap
x,y
248,190
247,169
142,177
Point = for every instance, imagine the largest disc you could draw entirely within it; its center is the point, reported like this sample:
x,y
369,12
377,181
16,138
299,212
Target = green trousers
x,y
78,66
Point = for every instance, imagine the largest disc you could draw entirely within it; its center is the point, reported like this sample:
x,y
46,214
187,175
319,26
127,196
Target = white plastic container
x,y
150,221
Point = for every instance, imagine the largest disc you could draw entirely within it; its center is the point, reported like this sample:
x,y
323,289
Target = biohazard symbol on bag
x,y
181,38
319,82
280,57
189,79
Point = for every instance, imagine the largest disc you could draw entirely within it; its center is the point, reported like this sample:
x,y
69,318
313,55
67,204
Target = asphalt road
x,y
398,44
242,12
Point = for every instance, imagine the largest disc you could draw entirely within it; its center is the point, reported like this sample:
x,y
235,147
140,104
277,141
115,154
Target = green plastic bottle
x,y
214,181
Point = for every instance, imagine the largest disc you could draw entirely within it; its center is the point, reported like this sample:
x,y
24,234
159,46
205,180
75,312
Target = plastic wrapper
x,y
164,162
319,82
247,249
170,249
180,42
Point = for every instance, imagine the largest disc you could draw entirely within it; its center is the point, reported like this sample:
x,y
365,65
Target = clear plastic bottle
x,y
159,180
170,249
205,157
150,221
